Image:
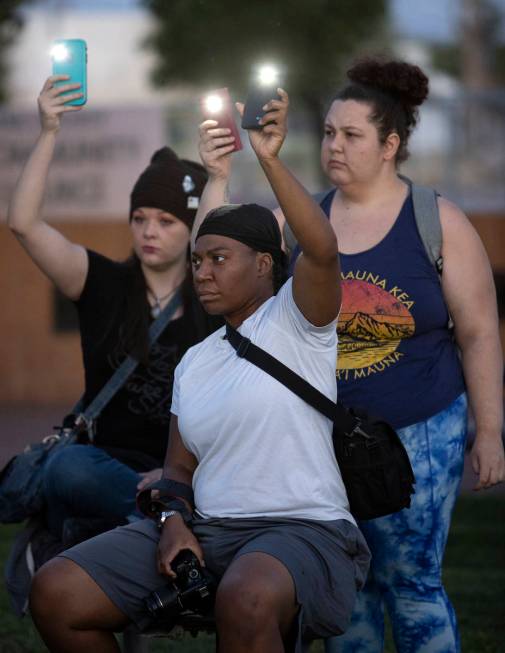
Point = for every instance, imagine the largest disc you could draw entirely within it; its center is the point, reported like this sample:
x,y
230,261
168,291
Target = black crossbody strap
x,y
269,364
124,371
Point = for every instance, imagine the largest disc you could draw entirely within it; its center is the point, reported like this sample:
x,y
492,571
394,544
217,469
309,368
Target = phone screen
x,y
70,58
217,105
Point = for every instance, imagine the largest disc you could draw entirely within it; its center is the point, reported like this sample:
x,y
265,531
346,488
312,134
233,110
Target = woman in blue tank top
x,y
397,357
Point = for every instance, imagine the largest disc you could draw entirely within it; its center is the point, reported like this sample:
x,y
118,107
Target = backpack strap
x,y
289,238
287,233
427,218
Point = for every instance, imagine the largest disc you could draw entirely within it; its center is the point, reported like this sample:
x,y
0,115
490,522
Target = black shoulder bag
x,y
373,462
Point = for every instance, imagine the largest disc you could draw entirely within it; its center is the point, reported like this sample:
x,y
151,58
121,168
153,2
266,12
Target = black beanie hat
x,y
171,184
251,224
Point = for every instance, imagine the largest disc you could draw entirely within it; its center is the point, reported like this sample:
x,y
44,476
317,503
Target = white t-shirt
x,y
261,450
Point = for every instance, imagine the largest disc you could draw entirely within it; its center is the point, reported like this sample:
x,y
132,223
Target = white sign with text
x,y
98,157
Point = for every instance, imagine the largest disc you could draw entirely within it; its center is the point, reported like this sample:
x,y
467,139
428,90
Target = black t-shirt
x,y
134,426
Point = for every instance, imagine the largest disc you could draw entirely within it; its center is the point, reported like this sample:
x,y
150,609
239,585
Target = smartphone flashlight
x,y
214,104
263,88
59,52
268,75
217,105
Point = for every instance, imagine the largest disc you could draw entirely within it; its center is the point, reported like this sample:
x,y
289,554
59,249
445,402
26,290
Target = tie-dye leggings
x,y
407,549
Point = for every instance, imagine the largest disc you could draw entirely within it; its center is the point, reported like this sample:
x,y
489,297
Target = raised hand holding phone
x,y
268,138
217,106
219,135
262,89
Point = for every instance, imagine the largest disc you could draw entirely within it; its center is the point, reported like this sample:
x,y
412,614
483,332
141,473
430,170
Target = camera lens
x,y
193,590
165,600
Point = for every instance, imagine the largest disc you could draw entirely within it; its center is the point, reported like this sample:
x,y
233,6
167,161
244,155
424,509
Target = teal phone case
x,y
73,65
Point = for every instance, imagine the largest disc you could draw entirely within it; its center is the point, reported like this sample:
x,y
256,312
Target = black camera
x,y
193,590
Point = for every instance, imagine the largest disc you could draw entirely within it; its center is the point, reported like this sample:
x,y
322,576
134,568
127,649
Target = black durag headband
x,y
251,224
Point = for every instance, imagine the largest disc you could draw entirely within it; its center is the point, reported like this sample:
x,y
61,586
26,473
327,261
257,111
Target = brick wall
x,y
39,365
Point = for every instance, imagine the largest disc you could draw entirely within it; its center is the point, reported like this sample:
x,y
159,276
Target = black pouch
x,y
374,464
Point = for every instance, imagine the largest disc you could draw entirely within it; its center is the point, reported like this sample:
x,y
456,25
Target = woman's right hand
x,y
52,103
175,537
215,146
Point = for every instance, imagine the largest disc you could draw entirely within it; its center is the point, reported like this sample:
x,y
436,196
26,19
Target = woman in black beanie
x,y
89,488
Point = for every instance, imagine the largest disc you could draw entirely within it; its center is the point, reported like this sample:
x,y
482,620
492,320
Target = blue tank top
x,y
397,358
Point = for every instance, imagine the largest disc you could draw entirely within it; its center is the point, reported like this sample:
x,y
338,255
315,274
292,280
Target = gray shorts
x,y
328,562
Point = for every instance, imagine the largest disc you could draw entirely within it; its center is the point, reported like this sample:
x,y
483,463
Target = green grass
x,y
474,579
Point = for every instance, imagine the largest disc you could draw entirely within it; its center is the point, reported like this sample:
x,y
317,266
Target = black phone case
x,y
256,99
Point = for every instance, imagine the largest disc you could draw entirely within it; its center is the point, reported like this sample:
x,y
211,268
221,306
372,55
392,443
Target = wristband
x,y
168,491
169,488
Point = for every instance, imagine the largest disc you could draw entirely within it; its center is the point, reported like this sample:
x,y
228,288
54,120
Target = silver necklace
x,y
156,308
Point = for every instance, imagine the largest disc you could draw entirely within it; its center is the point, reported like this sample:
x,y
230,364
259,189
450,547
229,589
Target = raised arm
x,y
469,290
215,147
65,263
316,279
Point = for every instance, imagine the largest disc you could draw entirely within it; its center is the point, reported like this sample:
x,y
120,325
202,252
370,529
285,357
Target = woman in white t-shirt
x,y
253,485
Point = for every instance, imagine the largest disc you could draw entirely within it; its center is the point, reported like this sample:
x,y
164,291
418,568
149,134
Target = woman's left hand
x,y
267,142
149,477
488,462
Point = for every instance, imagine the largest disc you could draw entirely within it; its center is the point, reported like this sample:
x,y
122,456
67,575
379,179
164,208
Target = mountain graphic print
x,y
373,321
